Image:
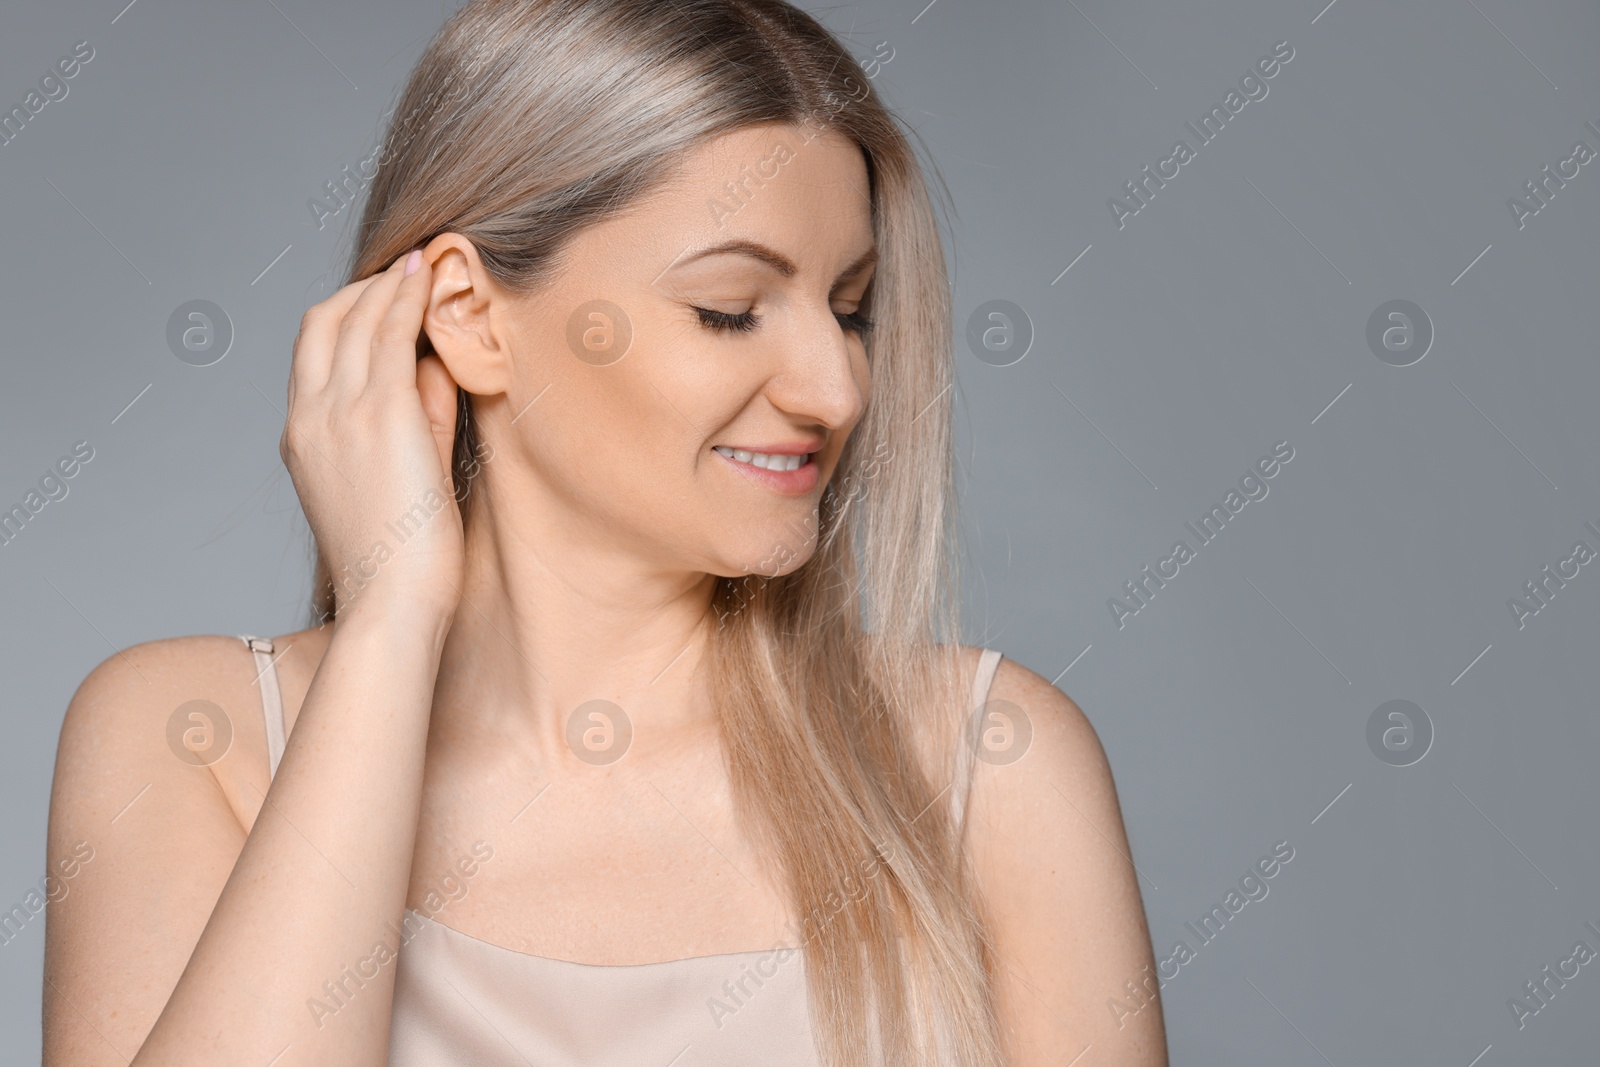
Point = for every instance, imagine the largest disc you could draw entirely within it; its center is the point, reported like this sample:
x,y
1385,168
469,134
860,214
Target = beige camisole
x,y
459,1000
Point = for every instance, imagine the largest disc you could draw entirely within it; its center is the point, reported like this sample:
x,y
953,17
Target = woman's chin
x,y
771,559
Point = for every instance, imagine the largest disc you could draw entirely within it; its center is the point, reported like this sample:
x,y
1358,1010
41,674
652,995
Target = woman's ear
x,y
461,317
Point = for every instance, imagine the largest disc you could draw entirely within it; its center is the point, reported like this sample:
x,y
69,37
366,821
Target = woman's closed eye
x,y
745,321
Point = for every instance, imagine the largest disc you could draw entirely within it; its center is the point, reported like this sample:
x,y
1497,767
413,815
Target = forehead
x,y
768,183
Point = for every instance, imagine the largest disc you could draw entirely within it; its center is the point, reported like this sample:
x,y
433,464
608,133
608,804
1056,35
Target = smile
x,y
792,474
772,461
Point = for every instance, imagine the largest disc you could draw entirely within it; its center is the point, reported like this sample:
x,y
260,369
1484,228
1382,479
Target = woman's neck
x,y
553,615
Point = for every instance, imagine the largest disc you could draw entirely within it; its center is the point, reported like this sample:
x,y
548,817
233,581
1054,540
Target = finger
x,y
394,342
314,343
352,349
438,392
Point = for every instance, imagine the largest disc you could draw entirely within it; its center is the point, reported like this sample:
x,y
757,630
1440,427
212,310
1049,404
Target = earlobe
x,y
457,321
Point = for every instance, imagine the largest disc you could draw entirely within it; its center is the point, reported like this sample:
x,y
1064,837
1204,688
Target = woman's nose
x,y
823,375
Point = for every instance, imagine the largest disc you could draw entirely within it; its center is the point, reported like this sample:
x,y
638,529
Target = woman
x,y
633,730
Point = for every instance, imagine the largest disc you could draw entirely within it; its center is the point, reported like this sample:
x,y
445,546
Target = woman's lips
x,y
798,482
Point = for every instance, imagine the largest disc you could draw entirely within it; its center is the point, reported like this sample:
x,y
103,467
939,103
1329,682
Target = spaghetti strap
x,y
271,698
988,663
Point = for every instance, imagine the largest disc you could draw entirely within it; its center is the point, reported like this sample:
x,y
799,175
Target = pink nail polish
x,y
413,261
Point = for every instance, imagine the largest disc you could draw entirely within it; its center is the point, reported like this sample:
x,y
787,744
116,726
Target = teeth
x,y
763,460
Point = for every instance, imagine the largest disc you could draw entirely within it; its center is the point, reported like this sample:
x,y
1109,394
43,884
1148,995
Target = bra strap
x,y
271,698
988,663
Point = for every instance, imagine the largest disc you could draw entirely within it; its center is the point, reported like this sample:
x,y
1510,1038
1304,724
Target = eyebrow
x,y
774,259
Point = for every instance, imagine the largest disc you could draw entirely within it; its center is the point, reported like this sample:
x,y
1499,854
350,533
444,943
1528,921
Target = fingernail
x,y
413,261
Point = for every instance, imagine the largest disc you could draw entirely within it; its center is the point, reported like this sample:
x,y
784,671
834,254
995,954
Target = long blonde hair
x,y
526,121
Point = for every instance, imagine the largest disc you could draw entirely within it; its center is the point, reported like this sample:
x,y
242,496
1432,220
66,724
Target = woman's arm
x,y
184,940
1053,864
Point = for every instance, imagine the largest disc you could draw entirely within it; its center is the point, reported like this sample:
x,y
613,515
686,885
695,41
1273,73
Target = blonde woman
x,y
632,728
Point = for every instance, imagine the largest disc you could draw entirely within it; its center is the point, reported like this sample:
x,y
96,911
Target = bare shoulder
x,y
1054,867
160,769
1038,758
167,709
1058,737
124,703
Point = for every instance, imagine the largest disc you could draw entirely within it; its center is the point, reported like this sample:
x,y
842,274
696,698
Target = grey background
x,y
1227,315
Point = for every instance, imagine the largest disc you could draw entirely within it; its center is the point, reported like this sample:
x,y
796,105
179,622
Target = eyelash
x,y
745,321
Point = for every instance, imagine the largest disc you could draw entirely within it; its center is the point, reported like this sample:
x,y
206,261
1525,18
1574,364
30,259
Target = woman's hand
x,y
368,444
235,931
